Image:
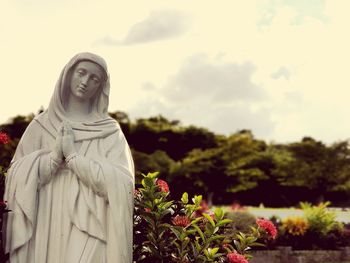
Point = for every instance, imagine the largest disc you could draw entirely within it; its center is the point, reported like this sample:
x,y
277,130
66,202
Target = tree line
x,y
225,169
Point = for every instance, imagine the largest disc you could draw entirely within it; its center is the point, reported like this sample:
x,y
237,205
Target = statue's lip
x,y
82,88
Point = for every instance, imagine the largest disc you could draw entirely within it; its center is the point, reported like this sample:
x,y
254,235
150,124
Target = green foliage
x,y
319,167
198,161
317,229
172,231
241,221
157,161
226,168
147,135
321,220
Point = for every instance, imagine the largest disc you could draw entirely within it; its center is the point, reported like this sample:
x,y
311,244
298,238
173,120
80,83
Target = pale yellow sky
x,y
277,67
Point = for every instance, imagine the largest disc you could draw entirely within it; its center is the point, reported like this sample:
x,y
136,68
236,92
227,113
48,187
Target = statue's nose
x,y
84,80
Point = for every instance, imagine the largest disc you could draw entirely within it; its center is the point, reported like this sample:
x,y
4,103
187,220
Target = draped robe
x,y
80,211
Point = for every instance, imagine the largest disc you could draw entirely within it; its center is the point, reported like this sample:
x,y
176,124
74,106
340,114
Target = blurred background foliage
x,y
223,169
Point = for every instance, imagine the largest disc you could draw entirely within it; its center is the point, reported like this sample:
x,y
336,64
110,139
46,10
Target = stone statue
x,y
70,183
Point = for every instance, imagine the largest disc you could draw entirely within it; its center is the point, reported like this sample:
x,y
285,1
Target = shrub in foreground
x,y
166,230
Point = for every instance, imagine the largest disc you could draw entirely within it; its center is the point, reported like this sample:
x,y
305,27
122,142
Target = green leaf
x,y
147,182
198,247
200,232
152,175
215,237
213,251
166,205
224,222
176,231
197,200
184,198
196,220
211,221
219,213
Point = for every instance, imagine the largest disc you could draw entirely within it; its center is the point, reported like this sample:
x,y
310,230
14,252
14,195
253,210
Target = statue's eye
x,y
96,80
81,72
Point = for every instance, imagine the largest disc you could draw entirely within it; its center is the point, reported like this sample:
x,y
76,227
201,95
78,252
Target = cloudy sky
x,y
277,67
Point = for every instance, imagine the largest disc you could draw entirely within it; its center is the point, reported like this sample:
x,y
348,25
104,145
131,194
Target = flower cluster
x,y
183,231
183,221
236,258
296,226
268,226
4,138
163,186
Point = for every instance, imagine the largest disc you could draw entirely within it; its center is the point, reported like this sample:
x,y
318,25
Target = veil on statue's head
x,y
56,112
99,103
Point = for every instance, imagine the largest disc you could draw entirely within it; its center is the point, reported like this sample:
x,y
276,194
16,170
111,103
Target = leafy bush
x,y
180,231
295,226
320,220
4,140
240,222
317,229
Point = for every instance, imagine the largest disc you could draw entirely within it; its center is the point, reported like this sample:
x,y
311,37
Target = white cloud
x,y
217,80
278,67
159,25
281,72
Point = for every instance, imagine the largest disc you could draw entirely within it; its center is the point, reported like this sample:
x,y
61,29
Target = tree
x,y
226,169
158,161
147,135
123,120
319,167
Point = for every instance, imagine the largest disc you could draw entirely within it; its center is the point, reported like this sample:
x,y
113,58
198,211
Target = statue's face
x,y
86,80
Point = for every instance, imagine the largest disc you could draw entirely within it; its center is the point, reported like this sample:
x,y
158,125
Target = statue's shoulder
x,y
38,127
32,135
34,125
115,139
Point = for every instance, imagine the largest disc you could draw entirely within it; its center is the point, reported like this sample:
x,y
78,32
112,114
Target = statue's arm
x,y
48,167
32,140
93,172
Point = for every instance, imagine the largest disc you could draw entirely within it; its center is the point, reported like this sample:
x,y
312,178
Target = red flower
x,y
3,203
163,186
236,258
181,221
147,210
4,138
268,226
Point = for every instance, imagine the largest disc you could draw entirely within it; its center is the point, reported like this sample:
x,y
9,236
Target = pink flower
x,y
148,210
268,226
136,192
225,245
204,208
236,258
163,186
181,221
4,138
237,207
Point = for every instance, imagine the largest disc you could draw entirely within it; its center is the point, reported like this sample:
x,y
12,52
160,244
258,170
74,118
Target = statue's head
x,y
86,77
86,80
